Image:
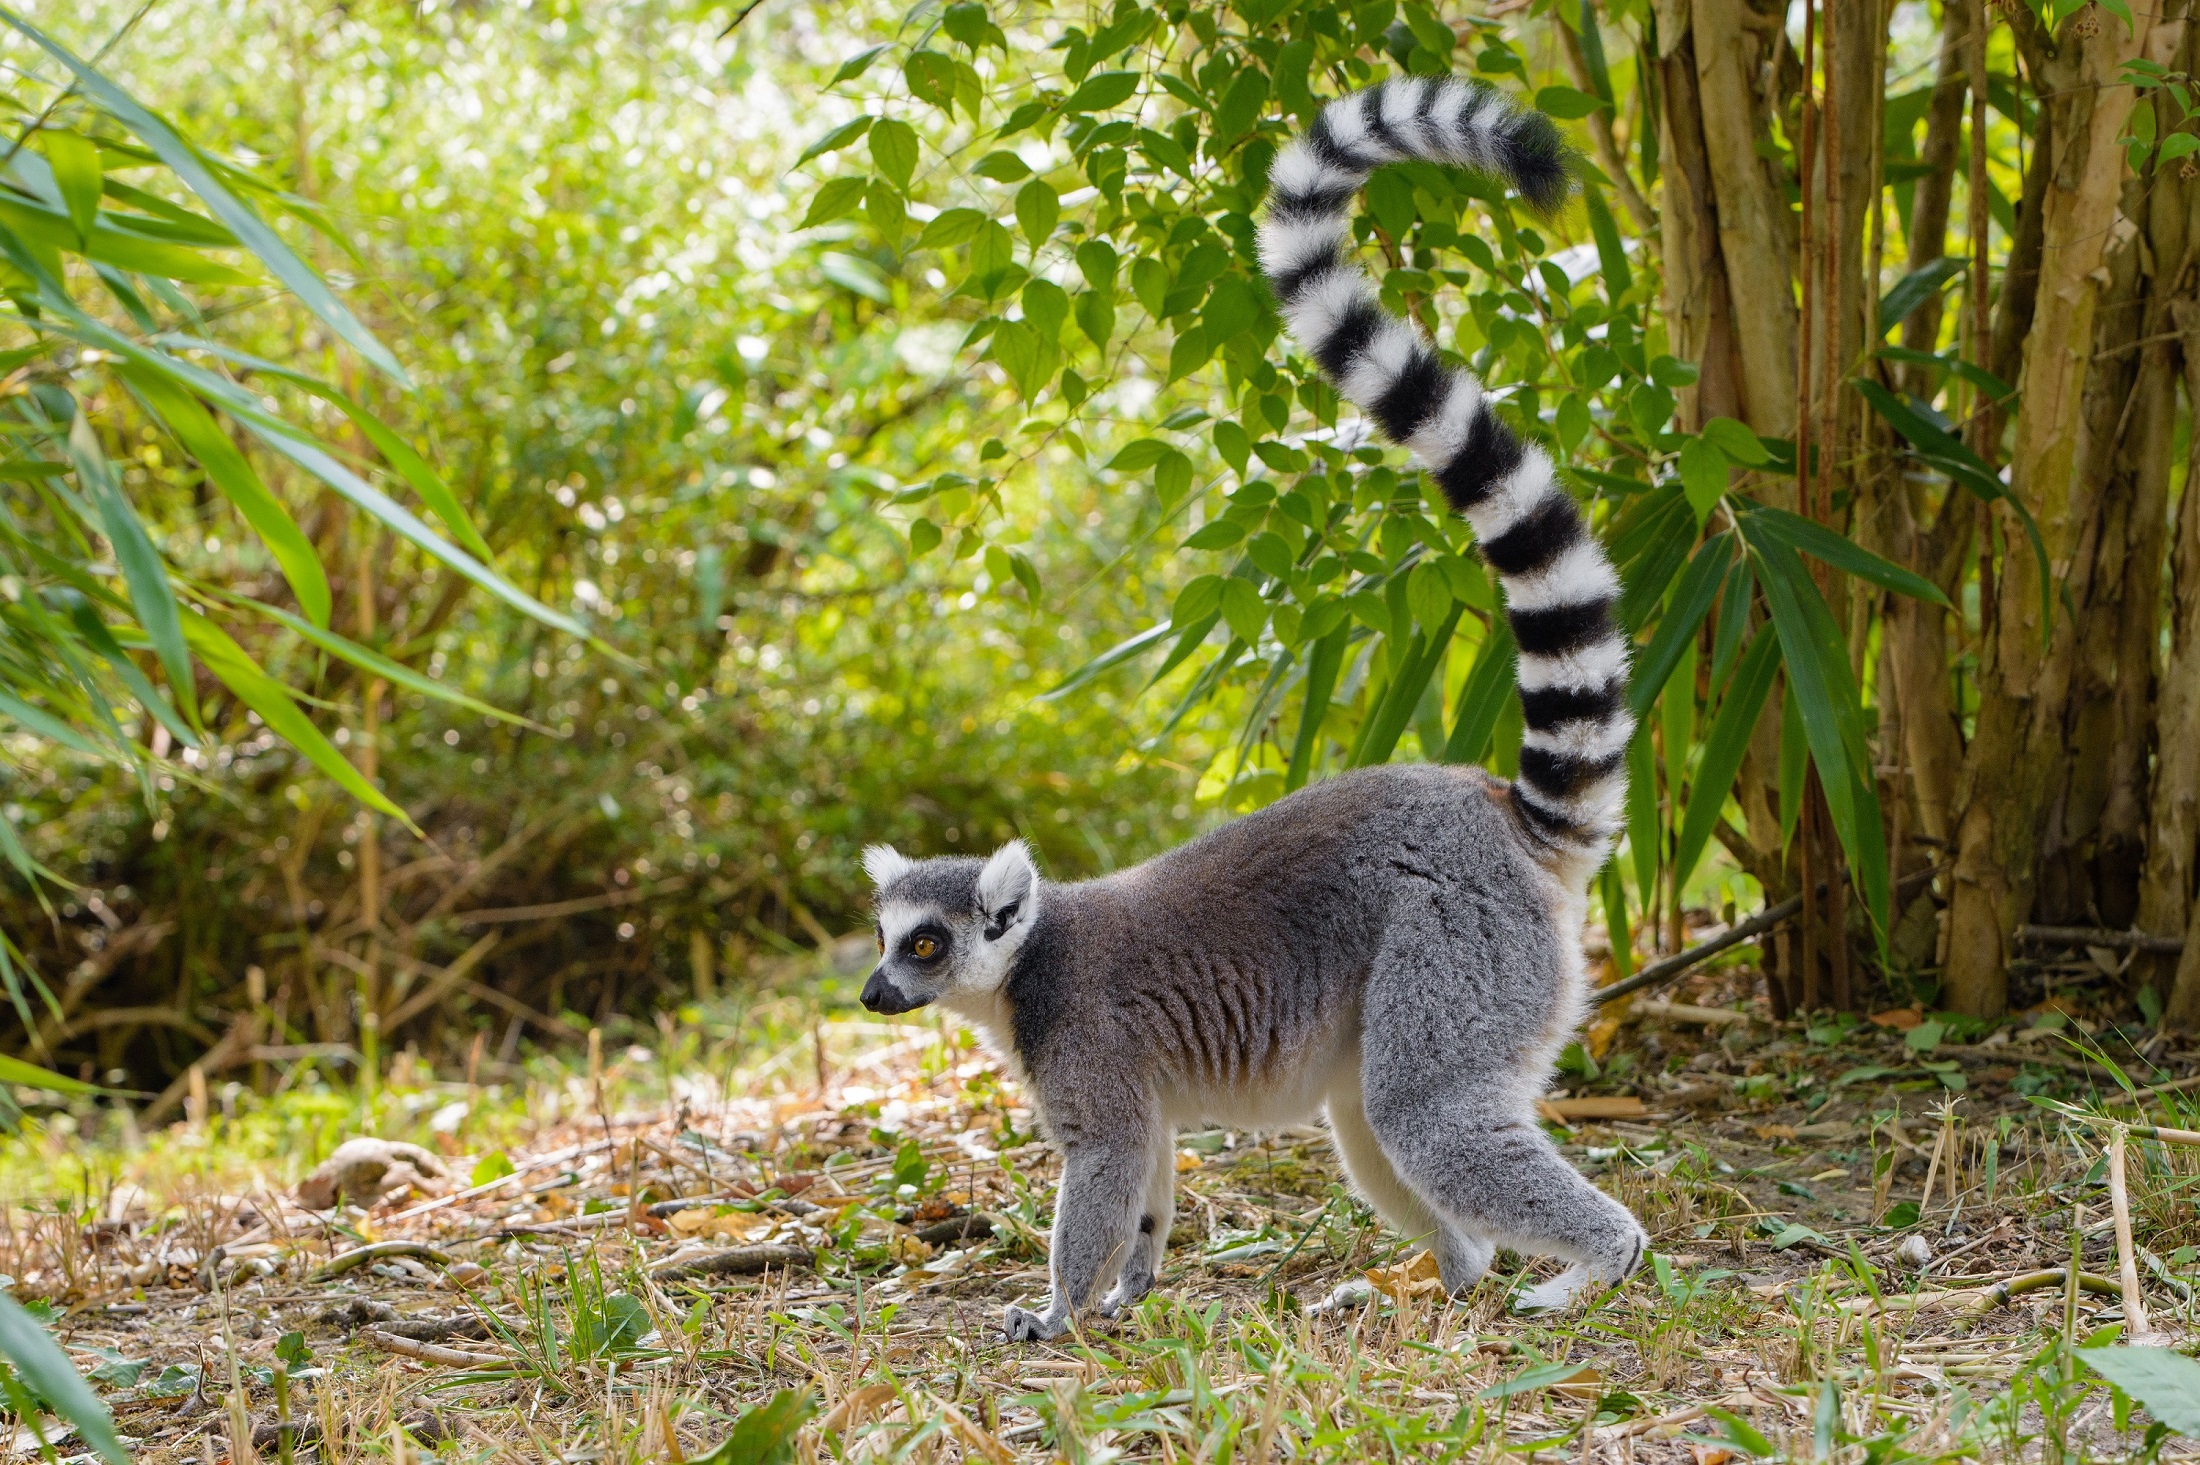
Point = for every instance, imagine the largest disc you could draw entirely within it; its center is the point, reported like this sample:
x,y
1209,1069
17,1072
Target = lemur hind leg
x,y
1150,1247
1462,1256
1096,1215
1450,1020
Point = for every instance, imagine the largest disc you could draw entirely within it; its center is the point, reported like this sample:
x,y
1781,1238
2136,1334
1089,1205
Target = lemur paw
x,y
1555,1294
1125,1294
1025,1326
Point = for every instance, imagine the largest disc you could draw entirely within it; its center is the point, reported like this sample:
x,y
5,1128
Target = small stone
x,y
1915,1252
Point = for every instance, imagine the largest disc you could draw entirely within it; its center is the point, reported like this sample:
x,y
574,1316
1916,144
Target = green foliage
x,y
1337,580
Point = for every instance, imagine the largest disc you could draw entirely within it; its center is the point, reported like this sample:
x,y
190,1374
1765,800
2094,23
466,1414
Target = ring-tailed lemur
x,y
1400,945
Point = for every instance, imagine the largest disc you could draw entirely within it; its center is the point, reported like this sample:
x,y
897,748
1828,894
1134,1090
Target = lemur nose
x,y
876,992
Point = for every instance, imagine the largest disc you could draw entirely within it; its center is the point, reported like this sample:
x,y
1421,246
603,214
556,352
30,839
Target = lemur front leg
x,y
1096,1216
1150,1248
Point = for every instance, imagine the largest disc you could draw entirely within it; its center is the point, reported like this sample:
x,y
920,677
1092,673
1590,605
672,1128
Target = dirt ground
x,y
835,1220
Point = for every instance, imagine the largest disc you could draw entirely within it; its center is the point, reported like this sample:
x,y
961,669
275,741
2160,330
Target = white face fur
x,y
943,938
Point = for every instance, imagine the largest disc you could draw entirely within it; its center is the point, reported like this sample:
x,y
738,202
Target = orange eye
x,y
924,948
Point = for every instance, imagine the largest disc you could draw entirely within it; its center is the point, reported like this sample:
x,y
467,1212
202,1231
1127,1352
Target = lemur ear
x,y
885,864
1005,887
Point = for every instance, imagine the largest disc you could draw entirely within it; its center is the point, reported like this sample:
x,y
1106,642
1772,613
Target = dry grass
x,y
1759,1172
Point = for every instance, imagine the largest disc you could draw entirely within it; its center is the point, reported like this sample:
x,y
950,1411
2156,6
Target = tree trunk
x,y
2166,903
2029,652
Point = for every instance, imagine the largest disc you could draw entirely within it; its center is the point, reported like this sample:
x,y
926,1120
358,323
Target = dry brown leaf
x,y
1901,1019
1417,1276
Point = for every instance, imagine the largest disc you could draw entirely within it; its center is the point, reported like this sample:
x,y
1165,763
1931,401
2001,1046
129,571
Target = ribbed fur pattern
x,y
1560,588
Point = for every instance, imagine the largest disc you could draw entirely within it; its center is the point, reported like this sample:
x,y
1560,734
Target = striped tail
x,y
1560,588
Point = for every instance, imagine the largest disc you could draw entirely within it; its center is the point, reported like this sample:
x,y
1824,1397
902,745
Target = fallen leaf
x,y
1775,1131
1189,1160
1598,1039
1710,1454
1901,1019
1417,1276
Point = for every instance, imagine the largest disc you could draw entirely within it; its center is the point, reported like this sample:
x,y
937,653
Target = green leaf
x,y
1002,167
2166,1382
1825,697
1233,307
1703,477
924,537
2175,146
1424,654
1102,91
838,197
1038,208
199,177
195,428
1321,683
894,151
1723,749
74,159
493,1166
1114,656
1242,605
765,1433
1134,457
950,228
1191,351
31,1076
142,567
46,1370
47,726
1692,601
1737,441
1564,103
1915,288
271,699
1240,106
1220,534
859,63
931,78
1611,249
394,672
1843,553
838,138
1528,1380
1483,697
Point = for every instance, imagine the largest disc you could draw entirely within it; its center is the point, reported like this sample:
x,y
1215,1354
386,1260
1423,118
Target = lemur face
x,y
947,927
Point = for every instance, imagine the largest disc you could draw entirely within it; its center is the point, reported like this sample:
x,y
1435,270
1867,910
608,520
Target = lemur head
x,y
949,927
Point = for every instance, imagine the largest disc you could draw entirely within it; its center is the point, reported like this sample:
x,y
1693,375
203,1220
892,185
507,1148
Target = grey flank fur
x,y
1397,947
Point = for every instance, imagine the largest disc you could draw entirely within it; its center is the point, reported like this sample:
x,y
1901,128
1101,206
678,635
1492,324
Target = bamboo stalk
x,y
2127,1263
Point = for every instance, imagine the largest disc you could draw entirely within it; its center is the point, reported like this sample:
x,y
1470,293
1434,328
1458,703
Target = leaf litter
x,y
787,1233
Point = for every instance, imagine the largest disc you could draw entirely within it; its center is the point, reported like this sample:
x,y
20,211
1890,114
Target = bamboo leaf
x,y
195,428
1826,699
46,1370
1321,683
1425,654
143,570
1692,598
1474,715
1915,288
1842,553
184,161
74,159
396,672
271,699
1723,748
